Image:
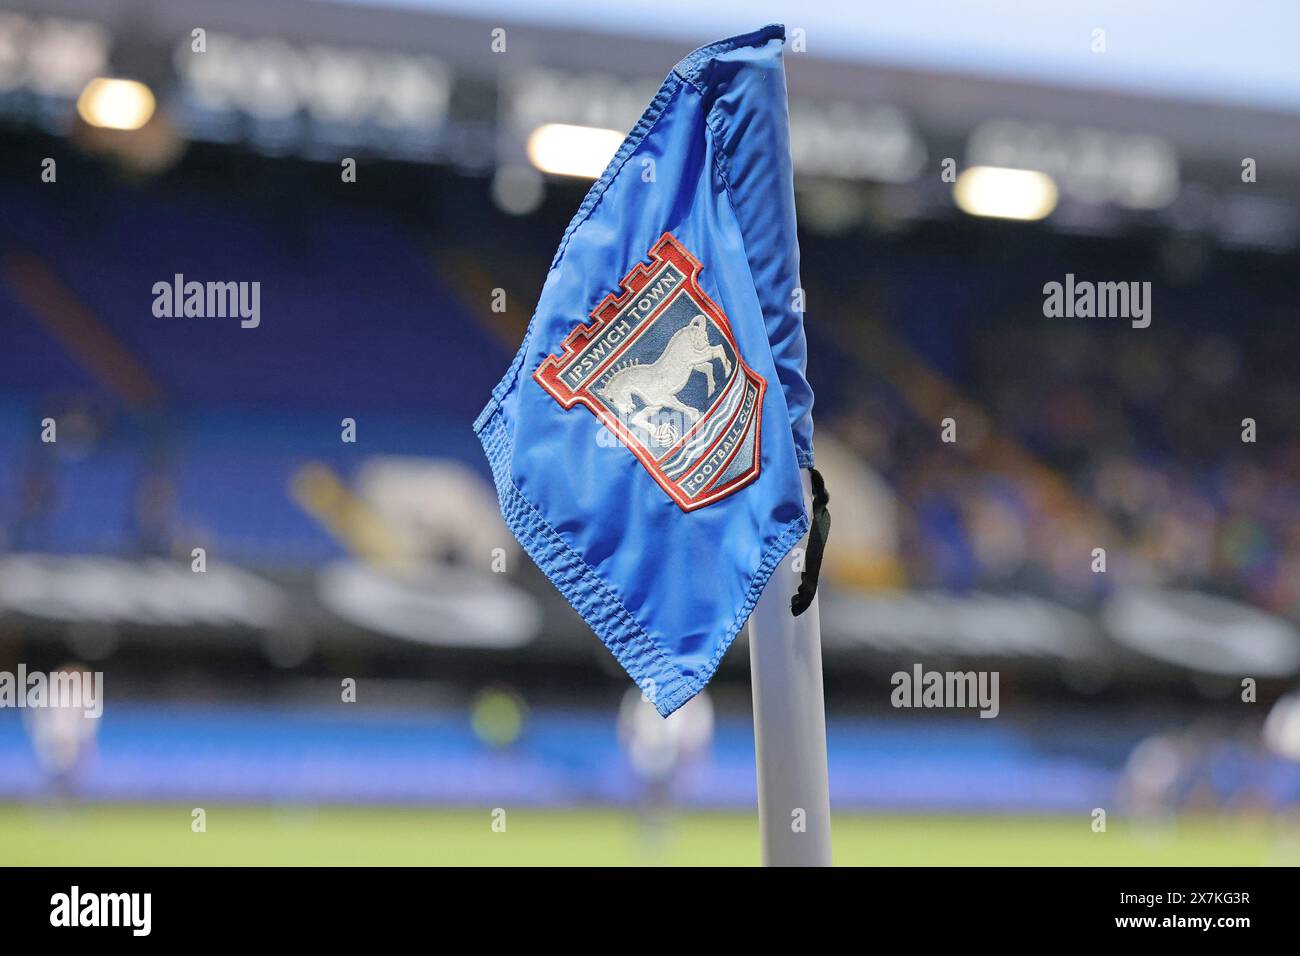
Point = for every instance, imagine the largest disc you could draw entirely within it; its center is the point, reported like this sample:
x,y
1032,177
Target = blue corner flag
x,y
647,441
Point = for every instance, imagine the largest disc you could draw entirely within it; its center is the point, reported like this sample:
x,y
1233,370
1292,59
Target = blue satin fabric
x,y
665,588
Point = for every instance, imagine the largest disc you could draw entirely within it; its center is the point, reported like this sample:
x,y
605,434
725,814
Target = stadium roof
x,y
1184,49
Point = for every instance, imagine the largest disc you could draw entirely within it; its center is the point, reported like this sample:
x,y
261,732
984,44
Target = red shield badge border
x,y
707,457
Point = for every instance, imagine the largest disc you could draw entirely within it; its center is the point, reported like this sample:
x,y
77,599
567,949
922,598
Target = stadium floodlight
x,y
1002,193
567,150
110,103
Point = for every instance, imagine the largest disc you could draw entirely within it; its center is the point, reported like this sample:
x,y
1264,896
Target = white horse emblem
x,y
658,384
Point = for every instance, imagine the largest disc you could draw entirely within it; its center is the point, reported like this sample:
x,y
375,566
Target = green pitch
x,y
162,835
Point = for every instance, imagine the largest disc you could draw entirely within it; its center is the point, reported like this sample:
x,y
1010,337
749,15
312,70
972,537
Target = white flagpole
x,y
785,662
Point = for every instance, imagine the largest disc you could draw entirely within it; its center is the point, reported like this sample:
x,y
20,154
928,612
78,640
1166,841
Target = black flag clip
x,y
817,535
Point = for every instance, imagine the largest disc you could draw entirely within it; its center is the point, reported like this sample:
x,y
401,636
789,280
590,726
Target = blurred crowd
x,y
1175,450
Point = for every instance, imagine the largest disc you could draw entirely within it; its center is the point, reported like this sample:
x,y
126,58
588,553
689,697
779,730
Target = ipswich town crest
x,y
659,367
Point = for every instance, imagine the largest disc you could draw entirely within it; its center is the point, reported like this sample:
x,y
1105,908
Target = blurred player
x,y
1282,727
660,750
63,737
1281,736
